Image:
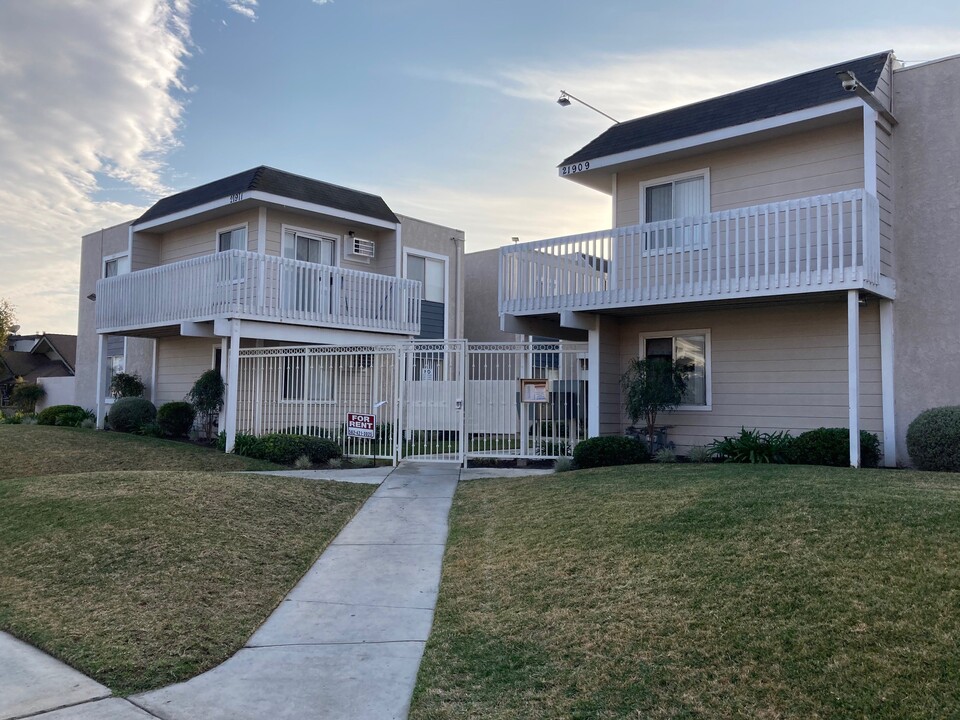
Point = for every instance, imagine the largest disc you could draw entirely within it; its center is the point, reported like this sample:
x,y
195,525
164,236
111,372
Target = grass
x,y
699,591
34,450
141,578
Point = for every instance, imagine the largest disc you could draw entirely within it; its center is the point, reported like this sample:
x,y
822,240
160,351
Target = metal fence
x,y
432,400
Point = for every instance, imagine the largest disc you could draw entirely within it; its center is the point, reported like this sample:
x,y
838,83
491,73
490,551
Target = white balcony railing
x,y
237,284
805,245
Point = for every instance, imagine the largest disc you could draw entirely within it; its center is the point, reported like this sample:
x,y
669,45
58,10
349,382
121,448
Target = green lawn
x,y
32,450
699,591
141,578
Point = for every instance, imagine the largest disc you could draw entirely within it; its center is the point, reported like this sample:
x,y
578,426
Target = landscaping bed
x,y
694,591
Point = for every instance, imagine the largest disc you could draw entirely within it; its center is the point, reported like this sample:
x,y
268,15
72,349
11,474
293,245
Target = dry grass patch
x,y
34,450
141,579
699,592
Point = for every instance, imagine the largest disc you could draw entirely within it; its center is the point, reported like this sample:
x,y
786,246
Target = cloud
x,y
322,2
89,91
247,8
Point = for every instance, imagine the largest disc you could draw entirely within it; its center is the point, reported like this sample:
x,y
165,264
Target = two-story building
x,y
796,243
259,259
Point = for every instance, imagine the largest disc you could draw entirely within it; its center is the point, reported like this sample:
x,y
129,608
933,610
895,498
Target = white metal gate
x,y
445,400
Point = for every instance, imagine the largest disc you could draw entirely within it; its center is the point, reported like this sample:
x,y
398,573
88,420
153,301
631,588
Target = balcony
x,y
250,286
807,245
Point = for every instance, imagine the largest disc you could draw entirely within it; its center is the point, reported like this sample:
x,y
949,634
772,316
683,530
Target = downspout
x,y
458,244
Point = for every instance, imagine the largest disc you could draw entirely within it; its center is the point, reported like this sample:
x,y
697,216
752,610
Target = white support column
x,y
101,380
886,383
593,381
853,373
224,356
233,372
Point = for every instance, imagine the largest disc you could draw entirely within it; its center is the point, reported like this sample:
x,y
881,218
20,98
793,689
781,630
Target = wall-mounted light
x,y
850,83
92,297
565,98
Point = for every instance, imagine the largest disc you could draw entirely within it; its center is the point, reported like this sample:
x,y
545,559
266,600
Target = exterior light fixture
x,y
92,297
850,83
565,98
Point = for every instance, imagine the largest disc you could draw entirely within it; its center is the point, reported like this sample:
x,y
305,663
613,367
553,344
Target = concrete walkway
x,y
345,643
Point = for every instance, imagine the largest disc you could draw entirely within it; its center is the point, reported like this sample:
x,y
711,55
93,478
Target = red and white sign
x,y
361,426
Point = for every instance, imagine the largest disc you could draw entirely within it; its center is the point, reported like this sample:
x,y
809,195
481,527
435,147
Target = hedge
x,y
933,439
609,450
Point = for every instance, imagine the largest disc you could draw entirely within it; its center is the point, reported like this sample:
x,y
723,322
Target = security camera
x,y
848,80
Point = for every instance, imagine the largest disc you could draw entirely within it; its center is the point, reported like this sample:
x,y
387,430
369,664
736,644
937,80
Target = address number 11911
x,y
575,168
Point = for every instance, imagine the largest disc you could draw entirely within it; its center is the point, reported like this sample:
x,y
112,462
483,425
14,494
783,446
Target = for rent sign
x,y
361,426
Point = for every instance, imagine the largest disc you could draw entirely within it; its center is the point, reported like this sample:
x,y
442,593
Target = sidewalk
x,y
347,640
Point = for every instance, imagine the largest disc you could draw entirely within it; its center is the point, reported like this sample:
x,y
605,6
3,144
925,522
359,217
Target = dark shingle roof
x,y
277,182
29,366
810,89
65,345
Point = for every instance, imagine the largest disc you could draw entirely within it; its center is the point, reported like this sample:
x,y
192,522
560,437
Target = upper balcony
x,y
808,245
250,286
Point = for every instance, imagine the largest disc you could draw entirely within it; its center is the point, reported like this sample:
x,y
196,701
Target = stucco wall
x,y
926,101
139,351
481,322
60,391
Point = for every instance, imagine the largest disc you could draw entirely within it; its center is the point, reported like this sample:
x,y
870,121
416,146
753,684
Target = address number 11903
x,y
575,168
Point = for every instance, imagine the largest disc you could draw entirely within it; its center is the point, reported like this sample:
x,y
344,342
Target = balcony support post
x,y
853,373
231,391
101,380
886,384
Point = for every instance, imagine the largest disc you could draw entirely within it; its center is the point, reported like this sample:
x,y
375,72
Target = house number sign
x,y
236,197
575,168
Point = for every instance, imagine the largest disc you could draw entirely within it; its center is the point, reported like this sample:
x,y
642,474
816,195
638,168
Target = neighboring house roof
x,y
29,366
276,182
63,345
810,89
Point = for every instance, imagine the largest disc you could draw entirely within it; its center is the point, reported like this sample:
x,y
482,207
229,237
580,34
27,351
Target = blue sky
x,y
447,109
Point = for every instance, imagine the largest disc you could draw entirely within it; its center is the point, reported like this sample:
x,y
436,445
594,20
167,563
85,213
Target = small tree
x,y
126,385
26,395
651,386
206,396
7,319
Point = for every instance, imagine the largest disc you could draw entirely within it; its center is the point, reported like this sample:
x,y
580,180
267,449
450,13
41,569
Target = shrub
x,y
752,446
206,395
64,415
284,449
303,463
26,395
15,419
335,463
124,385
609,450
89,423
699,454
128,415
563,464
652,386
665,455
176,418
933,439
29,420
831,446
150,429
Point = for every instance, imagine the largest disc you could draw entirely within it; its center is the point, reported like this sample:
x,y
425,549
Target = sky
x,y
446,108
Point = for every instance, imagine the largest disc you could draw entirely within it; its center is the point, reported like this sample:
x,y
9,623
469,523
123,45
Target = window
x,y
232,239
690,348
431,273
682,196
116,265
309,248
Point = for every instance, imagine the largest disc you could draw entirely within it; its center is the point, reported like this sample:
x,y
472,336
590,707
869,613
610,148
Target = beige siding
x,y
611,408
201,238
145,251
885,199
180,361
383,262
780,367
815,162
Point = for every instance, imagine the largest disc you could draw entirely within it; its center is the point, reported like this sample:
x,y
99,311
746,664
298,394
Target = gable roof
x,y
14,364
64,345
276,182
799,92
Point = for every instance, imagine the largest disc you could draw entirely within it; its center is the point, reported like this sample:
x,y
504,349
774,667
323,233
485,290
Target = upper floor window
x,y
116,265
232,239
431,272
679,196
308,247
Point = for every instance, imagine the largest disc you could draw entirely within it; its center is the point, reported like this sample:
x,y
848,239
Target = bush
x,y
933,439
665,455
563,464
831,446
64,415
302,463
130,414
176,418
285,449
609,450
26,395
752,446
206,395
124,385
699,454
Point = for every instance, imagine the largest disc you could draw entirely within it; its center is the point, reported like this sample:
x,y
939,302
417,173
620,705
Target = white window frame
x,y
317,234
708,361
407,252
110,399
644,184
111,258
216,237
